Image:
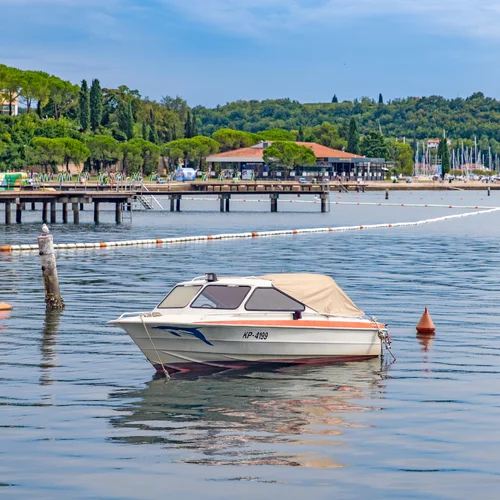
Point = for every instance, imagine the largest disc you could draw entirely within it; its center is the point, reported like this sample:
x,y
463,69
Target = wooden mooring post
x,y
47,254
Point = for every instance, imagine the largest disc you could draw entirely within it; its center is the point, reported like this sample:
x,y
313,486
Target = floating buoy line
x,y
352,203
227,236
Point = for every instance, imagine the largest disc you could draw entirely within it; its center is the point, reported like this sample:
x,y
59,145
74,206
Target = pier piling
x,y
33,207
274,202
178,203
227,202
44,212
172,203
324,201
386,194
53,217
118,213
96,212
489,191
65,213
76,213
19,213
7,213
53,297
221,203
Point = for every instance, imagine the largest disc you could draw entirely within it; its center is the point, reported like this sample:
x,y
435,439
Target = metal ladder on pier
x,y
145,202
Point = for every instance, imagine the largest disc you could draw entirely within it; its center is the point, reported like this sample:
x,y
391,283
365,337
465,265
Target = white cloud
x,y
479,18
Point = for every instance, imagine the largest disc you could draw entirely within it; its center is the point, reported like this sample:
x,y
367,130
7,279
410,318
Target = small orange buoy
x,y
426,325
5,307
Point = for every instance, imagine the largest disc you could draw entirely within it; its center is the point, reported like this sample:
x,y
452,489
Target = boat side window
x,y
221,297
272,299
179,297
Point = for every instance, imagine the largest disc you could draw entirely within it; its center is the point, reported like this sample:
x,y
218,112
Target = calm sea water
x,y
81,416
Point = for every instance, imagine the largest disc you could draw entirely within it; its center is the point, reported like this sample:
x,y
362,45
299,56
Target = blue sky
x,y
214,51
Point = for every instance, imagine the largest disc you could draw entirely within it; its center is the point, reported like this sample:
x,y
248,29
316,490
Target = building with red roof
x,y
331,162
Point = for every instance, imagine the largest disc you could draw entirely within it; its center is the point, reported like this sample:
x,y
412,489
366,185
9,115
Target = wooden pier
x,y
50,200
76,199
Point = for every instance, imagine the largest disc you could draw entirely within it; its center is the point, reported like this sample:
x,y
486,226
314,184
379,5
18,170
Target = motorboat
x,y
237,322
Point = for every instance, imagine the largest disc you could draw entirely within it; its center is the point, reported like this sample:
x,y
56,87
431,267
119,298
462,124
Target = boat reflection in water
x,y
291,416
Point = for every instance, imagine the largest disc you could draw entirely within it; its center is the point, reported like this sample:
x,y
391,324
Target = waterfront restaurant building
x,y
331,162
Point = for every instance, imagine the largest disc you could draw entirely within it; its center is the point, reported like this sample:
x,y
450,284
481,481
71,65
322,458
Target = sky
x,y
215,51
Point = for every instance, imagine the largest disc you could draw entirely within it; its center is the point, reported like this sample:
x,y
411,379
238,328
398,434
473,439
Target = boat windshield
x,y
221,297
271,299
179,297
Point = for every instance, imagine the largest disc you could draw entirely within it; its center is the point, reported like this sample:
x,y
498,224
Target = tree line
x,y
120,125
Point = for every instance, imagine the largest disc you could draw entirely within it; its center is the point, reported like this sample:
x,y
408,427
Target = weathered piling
x,y
96,212
324,202
221,203
7,213
19,213
65,213
44,212
53,217
274,202
227,202
386,194
53,297
489,191
76,213
118,212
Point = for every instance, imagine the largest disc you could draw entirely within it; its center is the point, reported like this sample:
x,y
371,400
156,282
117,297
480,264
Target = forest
x,y
60,123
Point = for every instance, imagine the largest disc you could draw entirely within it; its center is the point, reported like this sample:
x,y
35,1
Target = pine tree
x,y
84,106
353,138
300,135
188,133
335,100
153,134
95,105
380,99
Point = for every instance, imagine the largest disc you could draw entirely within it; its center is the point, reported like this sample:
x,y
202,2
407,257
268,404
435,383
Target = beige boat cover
x,y
316,291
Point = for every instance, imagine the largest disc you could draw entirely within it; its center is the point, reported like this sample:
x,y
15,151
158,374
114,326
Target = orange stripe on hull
x,y
297,323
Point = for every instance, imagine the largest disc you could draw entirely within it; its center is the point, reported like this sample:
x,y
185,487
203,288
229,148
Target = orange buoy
x,y
426,325
5,307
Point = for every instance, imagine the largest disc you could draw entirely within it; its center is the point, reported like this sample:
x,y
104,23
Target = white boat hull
x,y
194,346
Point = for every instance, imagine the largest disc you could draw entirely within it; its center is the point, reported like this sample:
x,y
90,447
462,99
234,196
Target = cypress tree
x,y
380,99
84,106
300,135
153,134
145,133
194,125
335,100
353,138
126,119
188,126
95,105
444,154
